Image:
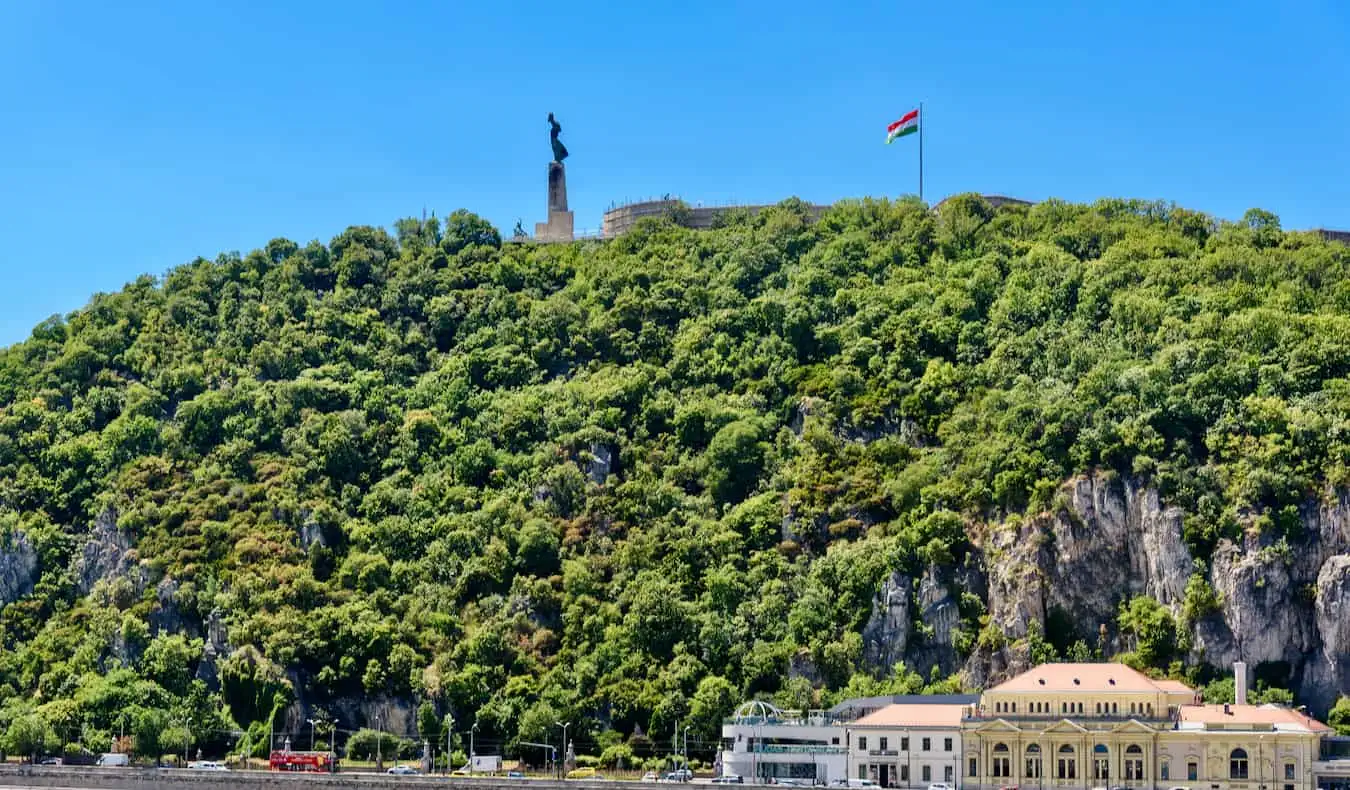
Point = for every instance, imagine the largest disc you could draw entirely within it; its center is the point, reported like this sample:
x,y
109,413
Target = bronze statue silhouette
x,y
559,150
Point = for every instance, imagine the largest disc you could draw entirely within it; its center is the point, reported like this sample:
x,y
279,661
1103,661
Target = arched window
x,y
1033,753
1066,766
1134,763
1237,764
1101,762
1002,761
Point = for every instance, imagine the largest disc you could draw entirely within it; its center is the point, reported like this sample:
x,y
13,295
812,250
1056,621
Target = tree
x,y
30,735
714,700
429,724
463,228
1154,629
735,460
149,726
1340,716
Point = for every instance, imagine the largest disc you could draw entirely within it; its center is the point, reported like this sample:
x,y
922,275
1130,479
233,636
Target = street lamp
x,y
564,739
379,745
471,752
310,722
686,747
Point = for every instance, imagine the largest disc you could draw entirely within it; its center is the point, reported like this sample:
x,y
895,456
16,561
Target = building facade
x,y
909,745
1065,726
901,741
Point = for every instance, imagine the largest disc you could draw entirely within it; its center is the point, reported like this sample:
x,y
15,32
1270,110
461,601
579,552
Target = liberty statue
x,y
559,150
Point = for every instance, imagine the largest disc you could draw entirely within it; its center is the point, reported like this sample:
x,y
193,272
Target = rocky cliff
x,y
1284,608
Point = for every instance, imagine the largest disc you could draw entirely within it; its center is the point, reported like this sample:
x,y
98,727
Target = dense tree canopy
x,y
625,483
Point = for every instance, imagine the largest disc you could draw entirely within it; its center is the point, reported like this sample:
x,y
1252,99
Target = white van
x,y
112,760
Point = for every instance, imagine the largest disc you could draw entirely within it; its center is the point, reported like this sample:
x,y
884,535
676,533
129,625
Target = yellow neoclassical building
x,y
1084,726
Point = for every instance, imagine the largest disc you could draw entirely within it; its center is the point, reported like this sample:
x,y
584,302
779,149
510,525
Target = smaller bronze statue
x,y
559,150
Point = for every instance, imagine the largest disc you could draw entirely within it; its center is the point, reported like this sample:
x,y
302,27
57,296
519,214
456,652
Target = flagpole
x,y
920,152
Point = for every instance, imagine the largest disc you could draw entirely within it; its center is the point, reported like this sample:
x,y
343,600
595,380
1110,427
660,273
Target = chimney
x,y
1240,682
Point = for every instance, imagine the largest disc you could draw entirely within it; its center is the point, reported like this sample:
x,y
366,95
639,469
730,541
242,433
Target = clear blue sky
x,y
137,135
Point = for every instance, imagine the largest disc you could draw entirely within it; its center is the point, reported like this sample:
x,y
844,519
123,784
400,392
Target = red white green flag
x,y
906,125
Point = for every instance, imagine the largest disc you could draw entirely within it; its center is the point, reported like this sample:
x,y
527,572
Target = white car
x,y
404,770
940,786
651,776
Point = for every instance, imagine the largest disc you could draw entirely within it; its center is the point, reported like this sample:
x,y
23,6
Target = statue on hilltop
x,y
559,150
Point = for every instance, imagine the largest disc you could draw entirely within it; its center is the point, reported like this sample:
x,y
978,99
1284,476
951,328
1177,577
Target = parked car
x,y
680,775
940,786
515,775
651,776
404,770
582,773
52,761
728,779
113,760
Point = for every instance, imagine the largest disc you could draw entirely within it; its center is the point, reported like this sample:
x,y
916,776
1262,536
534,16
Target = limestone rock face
x,y
107,554
886,635
18,567
1284,602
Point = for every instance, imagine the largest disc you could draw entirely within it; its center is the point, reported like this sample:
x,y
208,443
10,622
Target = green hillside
x,y
626,483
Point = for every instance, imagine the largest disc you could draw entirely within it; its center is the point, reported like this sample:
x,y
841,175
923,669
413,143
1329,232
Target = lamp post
x,y
564,742
379,745
471,751
310,722
686,747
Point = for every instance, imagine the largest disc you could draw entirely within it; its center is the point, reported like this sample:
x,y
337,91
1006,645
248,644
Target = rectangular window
x,y
904,774
1002,767
862,772
1134,770
947,745
904,744
1033,767
1014,707
834,741
1101,769
927,744
1288,770
1165,770
1192,771
1068,768
862,743
1288,787
970,768
883,745
926,773
947,774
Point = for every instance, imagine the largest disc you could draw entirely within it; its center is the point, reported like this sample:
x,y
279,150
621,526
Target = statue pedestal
x,y
559,226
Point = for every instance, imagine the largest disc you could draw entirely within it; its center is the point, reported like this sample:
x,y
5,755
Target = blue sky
x,y
138,135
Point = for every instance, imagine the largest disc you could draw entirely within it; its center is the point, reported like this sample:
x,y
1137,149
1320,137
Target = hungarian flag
x,y
906,125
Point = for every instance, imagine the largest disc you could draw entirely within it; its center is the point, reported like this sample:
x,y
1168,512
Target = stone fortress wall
x,y
621,219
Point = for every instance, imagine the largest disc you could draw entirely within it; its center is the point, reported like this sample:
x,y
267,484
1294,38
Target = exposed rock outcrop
x,y
1283,608
106,555
886,635
18,567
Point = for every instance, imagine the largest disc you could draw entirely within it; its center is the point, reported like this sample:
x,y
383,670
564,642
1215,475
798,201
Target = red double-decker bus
x,y
309,762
